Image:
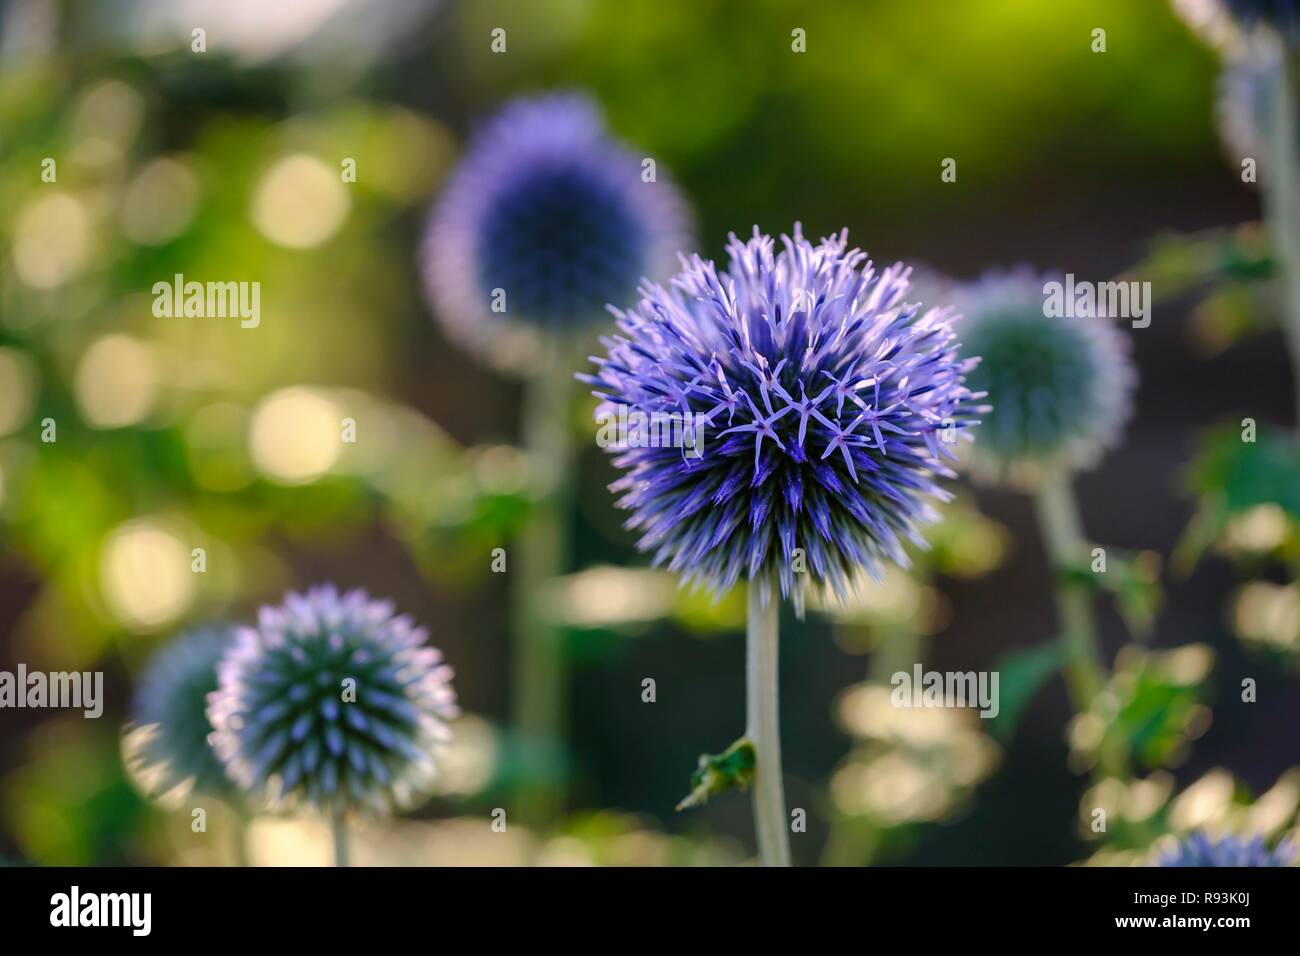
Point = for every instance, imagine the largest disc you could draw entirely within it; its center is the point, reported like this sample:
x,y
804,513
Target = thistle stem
x,y
339,833
1282,205
240,827
763,725
539,671
1062,531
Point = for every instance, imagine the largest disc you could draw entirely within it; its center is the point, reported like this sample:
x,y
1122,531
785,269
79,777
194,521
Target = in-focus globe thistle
x,y
546,219
825,407
167,748
1200,849
1060,387
334,702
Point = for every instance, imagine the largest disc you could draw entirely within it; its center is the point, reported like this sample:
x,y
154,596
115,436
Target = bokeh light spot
x,y
296,435
17,389
160,203
145,575
51,238
300,202
116,382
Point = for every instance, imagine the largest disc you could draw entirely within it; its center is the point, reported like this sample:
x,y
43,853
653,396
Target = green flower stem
x,y
763,725
241,825
339,833
539,672
1282,205
1061,528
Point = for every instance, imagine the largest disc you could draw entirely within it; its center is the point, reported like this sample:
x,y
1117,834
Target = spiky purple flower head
x,y
1200,849
167,747
825,407
333,701
546,219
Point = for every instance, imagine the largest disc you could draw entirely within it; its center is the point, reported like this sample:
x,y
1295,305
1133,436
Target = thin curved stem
x,y
763,725
240,826
1282,204
1062,530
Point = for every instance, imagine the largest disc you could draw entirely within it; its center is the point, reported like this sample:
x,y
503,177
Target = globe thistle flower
x,y
1231,26
1200,849
825,409
1282,15
1244,106
167,747
545,221
1060,387
1212,22
334,702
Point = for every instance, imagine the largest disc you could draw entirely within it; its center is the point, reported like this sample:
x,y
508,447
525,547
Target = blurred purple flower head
x,y
167,747
1230,25
828,407
1061,388
1200,849
545,221
1281,15
332,701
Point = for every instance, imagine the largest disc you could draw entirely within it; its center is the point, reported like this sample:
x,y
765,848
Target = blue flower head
x,y
1281,15
1244,107
1200,849
824,409
545,220
334,702
167,749
1060,386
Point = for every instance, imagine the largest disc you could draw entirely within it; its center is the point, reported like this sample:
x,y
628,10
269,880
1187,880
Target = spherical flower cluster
x,y
1060,386
1200,849
332,701
546,220
822,405
1212,22
167,749
1245,107
1282,15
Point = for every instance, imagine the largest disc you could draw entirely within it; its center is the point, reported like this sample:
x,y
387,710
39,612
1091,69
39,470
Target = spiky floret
x,y
551,211
332,701
1200,849
1060,387
825,407
167,746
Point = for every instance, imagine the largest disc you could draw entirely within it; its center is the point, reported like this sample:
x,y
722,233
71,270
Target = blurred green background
x,y
174,434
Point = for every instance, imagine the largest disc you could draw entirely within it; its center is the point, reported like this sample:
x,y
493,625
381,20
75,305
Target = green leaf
x,y
1022,673
719,772
1246,474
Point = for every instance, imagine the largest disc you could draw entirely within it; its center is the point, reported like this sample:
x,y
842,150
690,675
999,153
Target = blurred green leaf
x,y
1022,673
1153,705
1231,476
1249,473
